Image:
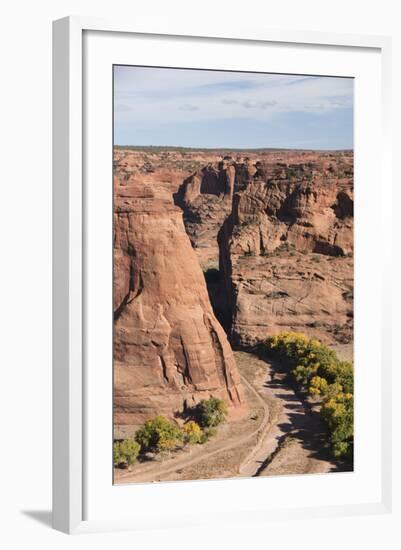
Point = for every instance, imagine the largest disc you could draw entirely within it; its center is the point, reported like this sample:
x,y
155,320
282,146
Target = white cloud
x,y
153,96
188,107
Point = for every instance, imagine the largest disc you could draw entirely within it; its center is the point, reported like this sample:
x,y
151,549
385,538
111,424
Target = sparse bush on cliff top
x,y
317,369
125,452
159,435
211,412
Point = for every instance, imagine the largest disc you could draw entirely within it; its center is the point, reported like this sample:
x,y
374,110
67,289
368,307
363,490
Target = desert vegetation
x,y
159,436
125,453
211,412
317,370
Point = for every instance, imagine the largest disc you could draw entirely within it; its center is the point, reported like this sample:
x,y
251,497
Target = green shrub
x,y
211,412
159,435
344,375
304,374
338,413
309,359
192,433
318,386
125,452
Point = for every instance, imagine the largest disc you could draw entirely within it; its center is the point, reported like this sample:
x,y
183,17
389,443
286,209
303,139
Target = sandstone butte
x,y
275,229
169,349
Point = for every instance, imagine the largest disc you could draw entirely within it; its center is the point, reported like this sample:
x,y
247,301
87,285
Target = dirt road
x,y
281,436
294,441
228,445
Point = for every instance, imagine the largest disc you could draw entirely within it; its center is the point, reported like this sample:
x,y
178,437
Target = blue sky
x,y
195,108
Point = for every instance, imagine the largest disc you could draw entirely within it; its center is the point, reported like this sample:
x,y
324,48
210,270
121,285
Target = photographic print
x,y
232,274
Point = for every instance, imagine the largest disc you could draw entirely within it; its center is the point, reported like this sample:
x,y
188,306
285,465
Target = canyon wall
x,y
286,254
169,349
282,232
206,200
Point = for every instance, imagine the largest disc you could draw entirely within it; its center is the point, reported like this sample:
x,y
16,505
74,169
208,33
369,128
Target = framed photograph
x,y
219,322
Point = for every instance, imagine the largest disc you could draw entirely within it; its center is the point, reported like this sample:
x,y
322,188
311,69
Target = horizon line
x,y
196,148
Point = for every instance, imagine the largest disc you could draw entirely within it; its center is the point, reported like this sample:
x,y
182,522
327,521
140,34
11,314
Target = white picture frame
x,y
70,381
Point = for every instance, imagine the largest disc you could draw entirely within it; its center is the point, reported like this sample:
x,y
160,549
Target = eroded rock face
x,y
279,224
206,200
286,254
169,349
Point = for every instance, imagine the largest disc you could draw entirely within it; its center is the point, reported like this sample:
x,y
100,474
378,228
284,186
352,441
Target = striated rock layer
x,y
286,253
169,349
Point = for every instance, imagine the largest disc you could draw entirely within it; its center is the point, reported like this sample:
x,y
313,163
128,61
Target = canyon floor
x,y
280,435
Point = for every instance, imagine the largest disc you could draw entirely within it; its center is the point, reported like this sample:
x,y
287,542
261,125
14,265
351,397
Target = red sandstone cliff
x,y
286,253
169,349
